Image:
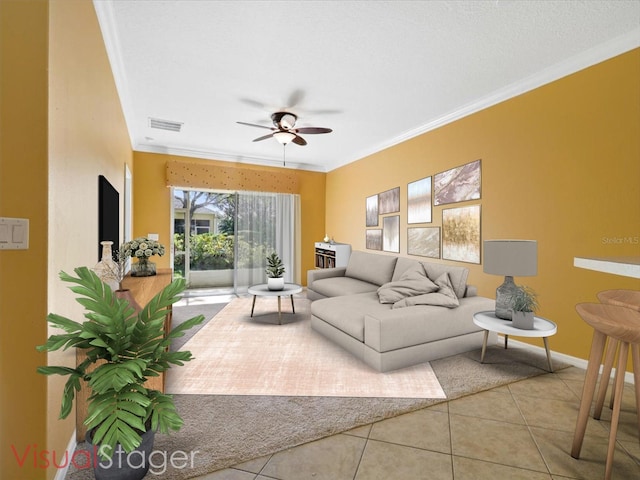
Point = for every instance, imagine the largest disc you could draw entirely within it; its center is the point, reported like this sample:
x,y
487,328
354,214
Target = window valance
x,y
201,175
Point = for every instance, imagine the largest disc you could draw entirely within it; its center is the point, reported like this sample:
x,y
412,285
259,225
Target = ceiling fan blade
x,y
255,125
313,130
263,138
299,141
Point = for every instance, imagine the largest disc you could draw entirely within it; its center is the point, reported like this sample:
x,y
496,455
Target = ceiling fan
x,y
284,130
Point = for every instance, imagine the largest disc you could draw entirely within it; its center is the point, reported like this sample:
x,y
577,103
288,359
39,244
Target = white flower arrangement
x,y
141,248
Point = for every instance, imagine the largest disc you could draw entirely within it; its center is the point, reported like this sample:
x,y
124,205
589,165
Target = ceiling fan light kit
x,y
284,130
284,137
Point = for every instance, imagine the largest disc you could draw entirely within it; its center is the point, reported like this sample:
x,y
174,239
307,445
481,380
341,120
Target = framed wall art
x,y
374,239
391,234
424,241
458,184
389,201
372,211
419,201
461,234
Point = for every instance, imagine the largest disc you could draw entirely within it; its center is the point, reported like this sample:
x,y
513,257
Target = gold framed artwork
x,y
391,234
461,234
372,211
419,201
423,241
374,239
389,201
457,184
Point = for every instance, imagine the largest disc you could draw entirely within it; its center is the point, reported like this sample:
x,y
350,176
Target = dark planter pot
x,y
125,466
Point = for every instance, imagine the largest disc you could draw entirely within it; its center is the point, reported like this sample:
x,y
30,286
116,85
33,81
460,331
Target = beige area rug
x,y
236,354
224,430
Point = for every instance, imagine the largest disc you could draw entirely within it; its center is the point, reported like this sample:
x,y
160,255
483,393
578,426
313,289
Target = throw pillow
x,y
413,281
444,297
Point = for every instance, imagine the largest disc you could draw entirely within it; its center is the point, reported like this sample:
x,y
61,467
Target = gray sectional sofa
x,y
393,312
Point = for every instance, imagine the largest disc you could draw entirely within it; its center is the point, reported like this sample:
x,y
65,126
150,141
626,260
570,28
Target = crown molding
x,y
227,157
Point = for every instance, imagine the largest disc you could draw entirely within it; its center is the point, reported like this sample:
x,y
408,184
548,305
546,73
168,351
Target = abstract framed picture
x,y
461,234
391,234
423,241
374,239
458,184
419,201
389,201
372,211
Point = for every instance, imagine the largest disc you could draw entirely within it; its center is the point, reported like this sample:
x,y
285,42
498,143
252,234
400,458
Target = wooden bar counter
x,y
143,289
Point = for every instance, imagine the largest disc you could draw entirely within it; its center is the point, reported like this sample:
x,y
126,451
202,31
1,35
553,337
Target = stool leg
x,y
635,355
593,367
622,364
612,347
613,393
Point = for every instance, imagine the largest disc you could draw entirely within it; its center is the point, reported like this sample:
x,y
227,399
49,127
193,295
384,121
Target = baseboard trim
x,y
61,473
575,361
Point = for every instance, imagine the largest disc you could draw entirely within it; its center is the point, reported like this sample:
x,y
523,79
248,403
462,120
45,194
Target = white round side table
x,y
490,323
262,290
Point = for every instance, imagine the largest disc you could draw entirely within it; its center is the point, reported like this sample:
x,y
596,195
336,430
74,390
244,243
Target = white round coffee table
x,y
262,290
490,323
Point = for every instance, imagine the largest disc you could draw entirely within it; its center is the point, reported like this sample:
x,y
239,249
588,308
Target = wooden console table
x,y
143,290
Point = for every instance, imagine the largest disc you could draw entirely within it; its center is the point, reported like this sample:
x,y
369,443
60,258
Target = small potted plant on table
x,y
524,304
275,272
124,347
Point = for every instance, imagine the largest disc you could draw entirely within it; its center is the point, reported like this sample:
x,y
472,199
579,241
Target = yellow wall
x,y
560,164
59,131
152,198
23,194
87,138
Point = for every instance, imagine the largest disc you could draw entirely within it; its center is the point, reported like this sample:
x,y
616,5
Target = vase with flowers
x,y
142,249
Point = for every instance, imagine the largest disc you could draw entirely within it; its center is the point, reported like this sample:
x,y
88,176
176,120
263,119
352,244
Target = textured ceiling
x,y
376,72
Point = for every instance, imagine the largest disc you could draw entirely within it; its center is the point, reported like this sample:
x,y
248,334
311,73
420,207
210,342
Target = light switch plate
x,y
14,233
153,236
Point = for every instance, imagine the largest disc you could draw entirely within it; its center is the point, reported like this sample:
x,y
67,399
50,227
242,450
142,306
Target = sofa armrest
x,y
320,273
471,291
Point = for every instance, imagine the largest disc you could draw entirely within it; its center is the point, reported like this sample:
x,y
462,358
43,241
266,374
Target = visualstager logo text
x,y
81,459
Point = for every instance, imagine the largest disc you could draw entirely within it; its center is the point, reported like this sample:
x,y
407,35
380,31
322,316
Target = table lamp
x,y
511,258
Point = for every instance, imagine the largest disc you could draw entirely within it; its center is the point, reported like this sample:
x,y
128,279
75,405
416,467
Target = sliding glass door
x,y
203,246
221,239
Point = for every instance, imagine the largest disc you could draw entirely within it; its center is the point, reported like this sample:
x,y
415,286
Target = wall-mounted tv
x,y
108,214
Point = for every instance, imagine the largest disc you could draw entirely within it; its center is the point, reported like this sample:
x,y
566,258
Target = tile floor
x,y
521,431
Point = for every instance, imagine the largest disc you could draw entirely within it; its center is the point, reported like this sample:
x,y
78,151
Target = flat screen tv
x,y
108,214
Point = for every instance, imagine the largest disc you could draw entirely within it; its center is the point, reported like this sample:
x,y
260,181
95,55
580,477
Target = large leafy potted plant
x,y
275,272
124,347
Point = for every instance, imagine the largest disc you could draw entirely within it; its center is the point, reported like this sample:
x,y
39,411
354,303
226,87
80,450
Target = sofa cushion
x,y
412,282
457,275
340,286
346,313
402,265
371,267
444,297
403,327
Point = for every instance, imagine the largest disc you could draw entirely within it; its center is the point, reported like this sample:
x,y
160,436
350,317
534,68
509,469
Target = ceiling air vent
x,y
165,124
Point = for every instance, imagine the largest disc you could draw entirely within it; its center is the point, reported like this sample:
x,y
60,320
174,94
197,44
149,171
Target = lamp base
x,y
504,293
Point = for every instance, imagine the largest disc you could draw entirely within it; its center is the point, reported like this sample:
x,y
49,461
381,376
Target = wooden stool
x,y
622,298
623,325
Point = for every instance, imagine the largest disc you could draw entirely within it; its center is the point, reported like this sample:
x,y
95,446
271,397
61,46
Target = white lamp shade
x,y
284,137
516,258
